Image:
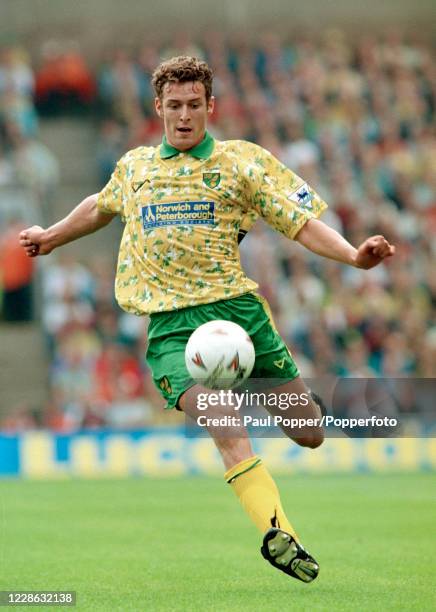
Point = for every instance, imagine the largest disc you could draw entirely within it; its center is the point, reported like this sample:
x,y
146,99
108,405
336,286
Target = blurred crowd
x,y
97,372
29,174
356,118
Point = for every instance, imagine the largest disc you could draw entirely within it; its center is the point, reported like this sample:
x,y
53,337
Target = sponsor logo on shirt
x,y
178,213
302,195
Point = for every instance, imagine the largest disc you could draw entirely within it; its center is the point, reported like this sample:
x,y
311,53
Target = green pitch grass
x,y
185,544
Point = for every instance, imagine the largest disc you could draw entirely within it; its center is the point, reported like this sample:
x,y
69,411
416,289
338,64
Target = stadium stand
x,y
355,117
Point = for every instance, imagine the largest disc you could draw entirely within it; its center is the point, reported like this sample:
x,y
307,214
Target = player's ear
x,y
158,106
211,105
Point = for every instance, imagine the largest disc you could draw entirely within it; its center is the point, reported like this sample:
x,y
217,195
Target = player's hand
x,y
33,240
373,251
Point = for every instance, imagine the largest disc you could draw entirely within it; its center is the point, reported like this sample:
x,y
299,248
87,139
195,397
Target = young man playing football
x,y
184,204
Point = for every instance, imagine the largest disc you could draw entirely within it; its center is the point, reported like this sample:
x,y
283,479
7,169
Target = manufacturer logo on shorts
x,y
211,179
280,363
178,213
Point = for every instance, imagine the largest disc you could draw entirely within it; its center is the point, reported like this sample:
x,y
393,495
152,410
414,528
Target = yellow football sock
x,y
258,495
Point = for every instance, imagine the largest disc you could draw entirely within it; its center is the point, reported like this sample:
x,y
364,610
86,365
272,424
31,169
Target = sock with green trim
x,y
258,495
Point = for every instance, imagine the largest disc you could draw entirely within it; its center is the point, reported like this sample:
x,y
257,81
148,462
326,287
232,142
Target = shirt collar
x,y
201,151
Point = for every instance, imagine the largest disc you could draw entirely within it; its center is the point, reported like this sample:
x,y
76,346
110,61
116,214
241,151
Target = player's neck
x,y
188,148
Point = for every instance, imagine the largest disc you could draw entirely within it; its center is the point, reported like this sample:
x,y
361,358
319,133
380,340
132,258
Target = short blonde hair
x,y
182,69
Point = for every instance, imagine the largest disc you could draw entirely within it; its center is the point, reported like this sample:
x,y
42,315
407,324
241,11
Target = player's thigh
x,y
212,410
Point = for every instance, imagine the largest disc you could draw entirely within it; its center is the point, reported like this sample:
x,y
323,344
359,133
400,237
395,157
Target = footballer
x,y
185,204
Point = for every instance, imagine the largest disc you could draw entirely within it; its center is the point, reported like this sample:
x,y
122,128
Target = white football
x,y
219,355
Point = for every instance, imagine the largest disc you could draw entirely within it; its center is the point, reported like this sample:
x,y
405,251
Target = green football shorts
x,y
169,332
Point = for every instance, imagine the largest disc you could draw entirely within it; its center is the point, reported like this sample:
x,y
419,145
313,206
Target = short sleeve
x,y
278,195
110,198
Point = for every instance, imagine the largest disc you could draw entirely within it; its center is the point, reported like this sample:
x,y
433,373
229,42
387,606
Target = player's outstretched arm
x,y
323,240
85,219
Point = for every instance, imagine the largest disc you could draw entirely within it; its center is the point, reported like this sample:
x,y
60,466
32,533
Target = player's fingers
x,y
381,248
25,238
378,241
27,234
32,249
384,250
372,243
381,253
389,251
375,240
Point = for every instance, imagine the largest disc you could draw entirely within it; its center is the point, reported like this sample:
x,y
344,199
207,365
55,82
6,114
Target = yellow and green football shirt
x,y
183,211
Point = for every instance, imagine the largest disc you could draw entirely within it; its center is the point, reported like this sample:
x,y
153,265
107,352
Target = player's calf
x,y
314,437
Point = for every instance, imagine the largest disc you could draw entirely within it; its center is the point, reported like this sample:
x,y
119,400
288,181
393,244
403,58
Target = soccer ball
x,y
219,355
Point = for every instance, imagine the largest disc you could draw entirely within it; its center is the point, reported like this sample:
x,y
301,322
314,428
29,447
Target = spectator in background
x,y
67,289
126,102
64,83
21,418
119,86
148,57
16,277
15,72
182,44
110,147
16,90
298,152
71,374
36,169
28,171
119,386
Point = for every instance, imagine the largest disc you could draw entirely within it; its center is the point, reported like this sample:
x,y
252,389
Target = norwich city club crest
x,y
211,179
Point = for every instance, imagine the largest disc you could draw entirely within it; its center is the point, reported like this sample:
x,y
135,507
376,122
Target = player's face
x,y
185,111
